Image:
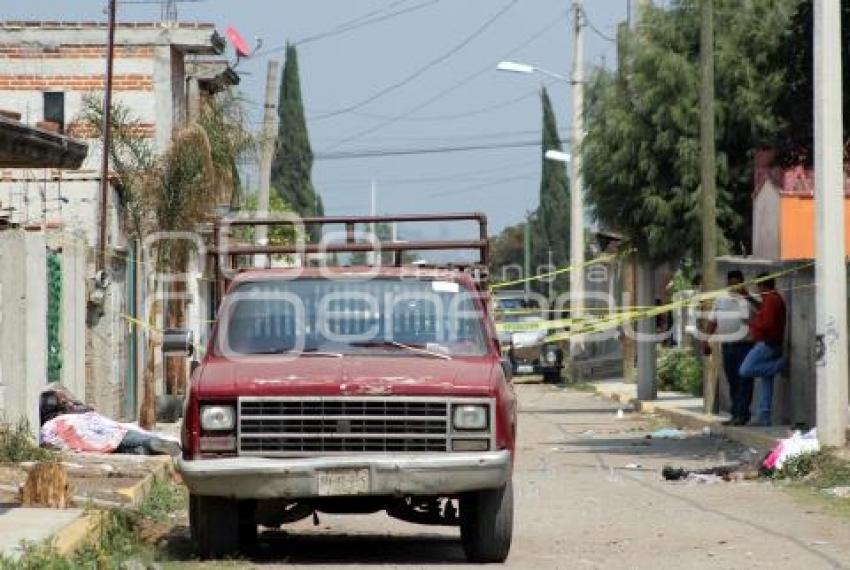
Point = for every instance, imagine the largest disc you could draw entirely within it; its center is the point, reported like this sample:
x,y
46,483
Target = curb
x,y
74,535
136,493
751,437
71,537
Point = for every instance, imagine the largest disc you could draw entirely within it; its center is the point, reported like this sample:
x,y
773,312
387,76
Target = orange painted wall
x,y
797,227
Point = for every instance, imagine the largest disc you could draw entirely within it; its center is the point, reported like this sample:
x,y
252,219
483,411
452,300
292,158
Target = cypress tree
x,y
552,223
293,161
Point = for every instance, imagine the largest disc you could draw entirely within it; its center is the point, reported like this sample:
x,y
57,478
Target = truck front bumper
x,y
389,475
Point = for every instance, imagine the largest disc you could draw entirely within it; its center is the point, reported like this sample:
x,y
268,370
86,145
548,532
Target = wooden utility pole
x,y
106,131
707,181
268,142
830,260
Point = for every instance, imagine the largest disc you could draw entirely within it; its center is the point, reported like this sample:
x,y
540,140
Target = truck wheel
x,y
552,376
214,523
486,524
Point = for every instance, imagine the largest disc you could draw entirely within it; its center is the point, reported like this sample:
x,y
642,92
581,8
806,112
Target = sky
x,y
428,71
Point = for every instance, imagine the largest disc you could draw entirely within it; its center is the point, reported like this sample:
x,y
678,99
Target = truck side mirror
x,y
178,342
507,367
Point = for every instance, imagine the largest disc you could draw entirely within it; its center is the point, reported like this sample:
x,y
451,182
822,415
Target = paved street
x,y
579,506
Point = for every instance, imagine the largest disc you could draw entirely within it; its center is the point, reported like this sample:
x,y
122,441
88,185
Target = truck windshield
x,y
352,316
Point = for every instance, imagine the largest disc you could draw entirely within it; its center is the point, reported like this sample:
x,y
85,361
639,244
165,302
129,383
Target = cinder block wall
x,y
23,324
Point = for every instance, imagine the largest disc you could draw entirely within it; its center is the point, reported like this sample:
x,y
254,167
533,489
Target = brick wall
x,y
29,51
120,82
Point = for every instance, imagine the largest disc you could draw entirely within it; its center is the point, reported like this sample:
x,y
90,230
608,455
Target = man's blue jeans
x,y
763,361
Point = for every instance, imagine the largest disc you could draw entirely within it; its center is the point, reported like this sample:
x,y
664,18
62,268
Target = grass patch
x,y
115,545
581,386
126,536
17,445
163,499
820,470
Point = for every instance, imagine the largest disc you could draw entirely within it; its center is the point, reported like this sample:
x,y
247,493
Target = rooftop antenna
x,y
169,11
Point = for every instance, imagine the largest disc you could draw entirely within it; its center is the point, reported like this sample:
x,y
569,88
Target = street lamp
x,y
516,67
557,155
576,182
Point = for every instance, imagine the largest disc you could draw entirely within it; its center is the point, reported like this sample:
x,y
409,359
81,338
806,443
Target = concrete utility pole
x,y
707,181
269,139
106,131
374,257
576,175
830,260
526,254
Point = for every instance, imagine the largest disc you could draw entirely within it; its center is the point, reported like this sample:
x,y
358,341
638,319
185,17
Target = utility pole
x,y
830,268
526,254
707,181
576,176
550,268
269,139
106,130
373,211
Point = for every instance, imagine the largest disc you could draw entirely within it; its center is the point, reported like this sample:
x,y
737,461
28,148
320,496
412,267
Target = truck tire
x,y
486,524
214,524
552,376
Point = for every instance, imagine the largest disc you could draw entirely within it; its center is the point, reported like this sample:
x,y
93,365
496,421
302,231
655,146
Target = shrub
x,y
17,444
679,370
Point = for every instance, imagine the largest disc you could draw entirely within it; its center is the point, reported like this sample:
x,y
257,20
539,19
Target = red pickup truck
x,y
352,389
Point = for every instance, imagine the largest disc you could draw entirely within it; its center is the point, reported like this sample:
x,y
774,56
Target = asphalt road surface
x,y
589,495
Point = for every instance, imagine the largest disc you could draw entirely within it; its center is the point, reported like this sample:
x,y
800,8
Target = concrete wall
x,y
23,324
766,222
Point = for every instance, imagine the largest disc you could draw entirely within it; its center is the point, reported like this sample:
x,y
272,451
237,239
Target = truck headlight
x,y
470,417
551,356
217,418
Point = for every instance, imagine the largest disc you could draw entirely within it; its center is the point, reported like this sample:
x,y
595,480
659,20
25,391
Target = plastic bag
x,y
785,449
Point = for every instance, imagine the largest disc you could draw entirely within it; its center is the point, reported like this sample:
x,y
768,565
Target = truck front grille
x,y
288,426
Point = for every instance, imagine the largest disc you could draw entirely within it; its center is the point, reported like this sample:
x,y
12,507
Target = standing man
x,y
728,325
767,328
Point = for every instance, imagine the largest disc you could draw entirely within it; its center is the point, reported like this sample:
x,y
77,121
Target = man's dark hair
x,y
765,281
735,274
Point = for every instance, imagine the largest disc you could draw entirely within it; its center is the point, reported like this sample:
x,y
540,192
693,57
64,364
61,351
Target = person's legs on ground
x,y
135,442
141,443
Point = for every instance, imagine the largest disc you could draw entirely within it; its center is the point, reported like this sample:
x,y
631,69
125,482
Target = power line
x,y
466,174
373,153
424,68
565,132
373,17
589,23
391,120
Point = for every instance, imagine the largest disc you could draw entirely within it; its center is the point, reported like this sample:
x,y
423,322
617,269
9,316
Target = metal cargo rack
x,y
227,256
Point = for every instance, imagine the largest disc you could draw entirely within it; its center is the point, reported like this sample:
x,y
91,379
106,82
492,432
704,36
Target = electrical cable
x,y
589,23
375,153
424,68
370,18
390,120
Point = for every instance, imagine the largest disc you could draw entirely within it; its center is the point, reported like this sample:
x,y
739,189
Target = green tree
x,y
795,101
642,146
551,229
506,250
293,161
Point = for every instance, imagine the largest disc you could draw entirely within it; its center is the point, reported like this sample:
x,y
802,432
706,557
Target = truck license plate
x,y
525,369
340,482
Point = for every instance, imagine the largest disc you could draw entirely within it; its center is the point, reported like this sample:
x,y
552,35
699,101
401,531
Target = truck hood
x,y
349,375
